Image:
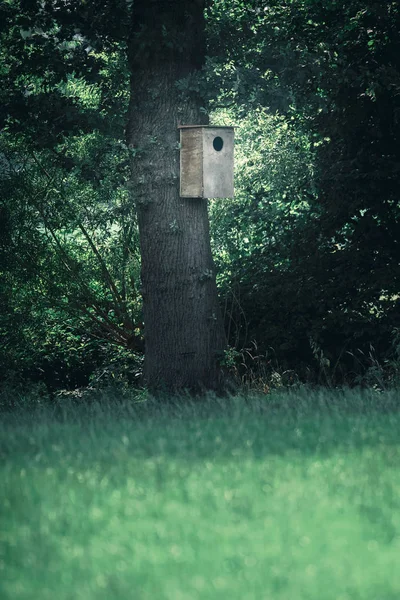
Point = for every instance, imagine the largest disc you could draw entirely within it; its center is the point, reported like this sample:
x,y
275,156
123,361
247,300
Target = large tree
x,y
184,335
49,47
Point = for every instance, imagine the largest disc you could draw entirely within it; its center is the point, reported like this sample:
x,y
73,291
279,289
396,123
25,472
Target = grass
x,y
289,496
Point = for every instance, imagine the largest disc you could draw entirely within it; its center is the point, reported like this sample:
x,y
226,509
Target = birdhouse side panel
x,y
218,146
191,163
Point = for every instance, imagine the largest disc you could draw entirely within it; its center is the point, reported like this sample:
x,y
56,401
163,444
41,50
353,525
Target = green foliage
x,y
274,183
230,357
70,261
331,72
71,256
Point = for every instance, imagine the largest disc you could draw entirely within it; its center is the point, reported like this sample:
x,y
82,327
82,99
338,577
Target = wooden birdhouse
x,y
206,161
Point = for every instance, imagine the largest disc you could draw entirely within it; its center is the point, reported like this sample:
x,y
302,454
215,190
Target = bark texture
x,y
184,336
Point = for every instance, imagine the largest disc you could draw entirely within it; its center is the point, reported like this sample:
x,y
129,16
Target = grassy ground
x,y
289,496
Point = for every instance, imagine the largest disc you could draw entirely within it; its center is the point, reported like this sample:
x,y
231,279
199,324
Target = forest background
x,y
307,252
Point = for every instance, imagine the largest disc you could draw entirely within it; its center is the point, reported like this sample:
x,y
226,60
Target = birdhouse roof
x,y
205,127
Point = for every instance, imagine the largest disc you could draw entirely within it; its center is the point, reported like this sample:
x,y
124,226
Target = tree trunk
x,y
184,336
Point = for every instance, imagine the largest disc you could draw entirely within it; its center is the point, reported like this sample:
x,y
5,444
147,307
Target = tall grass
x,y
287,496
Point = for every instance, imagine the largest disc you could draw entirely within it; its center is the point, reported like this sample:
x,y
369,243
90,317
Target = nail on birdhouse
x,y
206,165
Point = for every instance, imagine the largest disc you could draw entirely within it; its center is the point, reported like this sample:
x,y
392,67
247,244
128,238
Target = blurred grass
x,y
288,496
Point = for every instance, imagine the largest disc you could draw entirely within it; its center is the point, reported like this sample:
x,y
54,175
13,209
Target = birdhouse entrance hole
x,y
218,143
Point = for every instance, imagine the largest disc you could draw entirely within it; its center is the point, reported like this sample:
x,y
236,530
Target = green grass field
x,y
291,496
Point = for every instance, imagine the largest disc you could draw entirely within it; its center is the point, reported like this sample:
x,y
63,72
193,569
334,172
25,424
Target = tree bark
x,y
184,336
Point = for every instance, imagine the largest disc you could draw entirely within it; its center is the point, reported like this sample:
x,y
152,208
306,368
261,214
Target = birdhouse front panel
x,y
206,162
218,162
